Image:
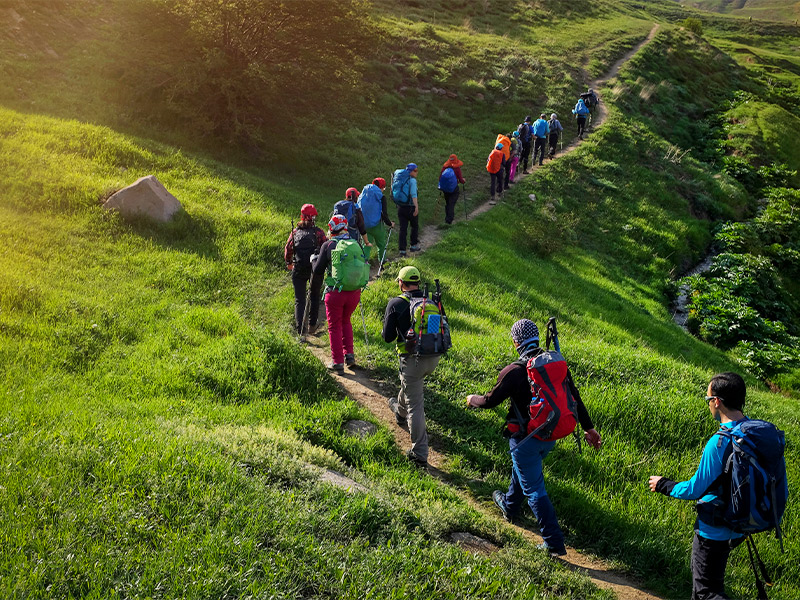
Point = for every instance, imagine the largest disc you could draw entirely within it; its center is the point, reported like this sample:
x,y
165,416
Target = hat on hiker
x,y
453,162
554,116
515,133
351,194
498,147
380,182
308,210
524,331
411,167
528,119
408,274
337,223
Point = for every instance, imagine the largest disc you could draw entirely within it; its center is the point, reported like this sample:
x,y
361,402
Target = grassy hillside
x,y
163,431
773,10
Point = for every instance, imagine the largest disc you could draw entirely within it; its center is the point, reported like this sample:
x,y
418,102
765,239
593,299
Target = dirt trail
x,y
373,396
431,234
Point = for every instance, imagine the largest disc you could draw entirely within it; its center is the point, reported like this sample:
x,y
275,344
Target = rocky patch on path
x,y
473,543
359,428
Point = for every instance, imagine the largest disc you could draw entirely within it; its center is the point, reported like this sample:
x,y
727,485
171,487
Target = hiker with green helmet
x,y
347,266
409,405
528,448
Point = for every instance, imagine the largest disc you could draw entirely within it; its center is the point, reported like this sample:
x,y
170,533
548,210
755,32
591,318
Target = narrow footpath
x,y
372,395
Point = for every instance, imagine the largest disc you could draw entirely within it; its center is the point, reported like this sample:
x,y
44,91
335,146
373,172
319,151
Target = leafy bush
x,y
694,25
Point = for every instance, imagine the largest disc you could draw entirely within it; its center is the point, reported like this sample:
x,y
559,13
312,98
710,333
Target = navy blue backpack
x,y
347,209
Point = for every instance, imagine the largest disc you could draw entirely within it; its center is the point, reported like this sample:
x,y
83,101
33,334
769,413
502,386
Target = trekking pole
x,y
306,312
364,321
385,249
464,193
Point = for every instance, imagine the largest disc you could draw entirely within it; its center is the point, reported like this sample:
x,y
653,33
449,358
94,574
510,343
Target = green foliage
x,y
693,24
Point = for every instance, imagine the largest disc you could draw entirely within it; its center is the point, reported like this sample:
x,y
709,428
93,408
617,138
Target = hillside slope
x,y
164,432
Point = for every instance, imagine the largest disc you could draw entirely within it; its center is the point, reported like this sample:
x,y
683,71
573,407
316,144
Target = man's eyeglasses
x,y
710,398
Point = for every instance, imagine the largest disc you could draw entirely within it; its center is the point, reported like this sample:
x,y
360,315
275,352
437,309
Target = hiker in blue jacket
x,y
581,112
541,129
712,543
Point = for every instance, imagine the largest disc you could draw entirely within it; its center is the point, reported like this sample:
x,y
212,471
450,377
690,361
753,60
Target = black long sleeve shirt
x,y
512,382
397,319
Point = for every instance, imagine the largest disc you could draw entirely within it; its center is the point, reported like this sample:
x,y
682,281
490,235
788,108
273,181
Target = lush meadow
x,y
163,433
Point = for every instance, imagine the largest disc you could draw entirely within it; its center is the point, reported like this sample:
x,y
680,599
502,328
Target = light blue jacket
x,y
711,466
540,128
581,109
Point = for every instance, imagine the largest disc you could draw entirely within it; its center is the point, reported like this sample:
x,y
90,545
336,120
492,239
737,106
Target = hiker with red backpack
x,y
741,486
404,195
545,406
373,207
449,178
346,264
349,209
305,241
418,325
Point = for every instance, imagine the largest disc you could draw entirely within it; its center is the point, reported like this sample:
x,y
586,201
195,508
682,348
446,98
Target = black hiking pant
x,y
526,153
539,145
496,182
299,281
450,200
709,559
405,215
553,143
507,173
581,125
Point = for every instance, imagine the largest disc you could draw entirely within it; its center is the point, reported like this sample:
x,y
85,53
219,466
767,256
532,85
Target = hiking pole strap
x,y
762,592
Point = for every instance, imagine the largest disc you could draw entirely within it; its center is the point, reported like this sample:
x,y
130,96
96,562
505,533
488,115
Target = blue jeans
x,y
527,480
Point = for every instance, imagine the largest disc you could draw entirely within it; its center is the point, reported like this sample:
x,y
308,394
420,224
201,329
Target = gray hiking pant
x,y
411,401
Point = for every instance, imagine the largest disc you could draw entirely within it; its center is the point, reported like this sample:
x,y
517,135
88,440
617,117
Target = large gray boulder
x,y
145,196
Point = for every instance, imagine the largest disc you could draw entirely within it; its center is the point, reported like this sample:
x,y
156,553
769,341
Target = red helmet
x,y
337,223
351,194
308,210
380,182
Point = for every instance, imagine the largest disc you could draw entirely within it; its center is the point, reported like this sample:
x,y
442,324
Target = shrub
x,y
693,24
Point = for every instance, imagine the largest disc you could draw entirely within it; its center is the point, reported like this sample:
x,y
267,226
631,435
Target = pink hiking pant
x,y
513,170
338,308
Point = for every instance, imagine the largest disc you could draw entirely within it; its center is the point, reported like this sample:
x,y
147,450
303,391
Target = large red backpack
x,y
553,411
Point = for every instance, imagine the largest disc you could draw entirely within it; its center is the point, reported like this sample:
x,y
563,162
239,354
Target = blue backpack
x,y
370,203
448,181
752,489
347,209
401,185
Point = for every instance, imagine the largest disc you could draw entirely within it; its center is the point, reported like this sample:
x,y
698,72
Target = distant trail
x,y
372,395
431,234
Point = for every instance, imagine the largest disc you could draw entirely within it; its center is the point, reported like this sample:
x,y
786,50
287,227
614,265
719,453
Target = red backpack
x,y
553,411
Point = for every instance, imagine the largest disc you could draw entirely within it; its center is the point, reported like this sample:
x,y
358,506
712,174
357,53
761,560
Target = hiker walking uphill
x,y
347,266
304,241
375,211
516,152
494,165
737,464
349,209
539,386
418,325
541,130
525,136
555,132
505,141
581,112
590,99
404,195
449,178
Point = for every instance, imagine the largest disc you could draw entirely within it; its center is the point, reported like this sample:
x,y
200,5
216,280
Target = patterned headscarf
x,y
525,334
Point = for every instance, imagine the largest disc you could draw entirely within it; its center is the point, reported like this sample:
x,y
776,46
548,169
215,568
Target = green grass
x,y
162,429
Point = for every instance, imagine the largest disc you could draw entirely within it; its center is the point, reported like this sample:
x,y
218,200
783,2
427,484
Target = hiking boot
x,y
507,187
554,552
401,421
350,360
337,368
526,172
402,252
312,329
416,460
500,500
415,248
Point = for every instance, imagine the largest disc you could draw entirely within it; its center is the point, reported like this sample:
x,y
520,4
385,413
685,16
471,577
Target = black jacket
x,y
397,319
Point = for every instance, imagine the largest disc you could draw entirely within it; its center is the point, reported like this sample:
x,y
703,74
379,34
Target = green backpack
x,y
349,268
